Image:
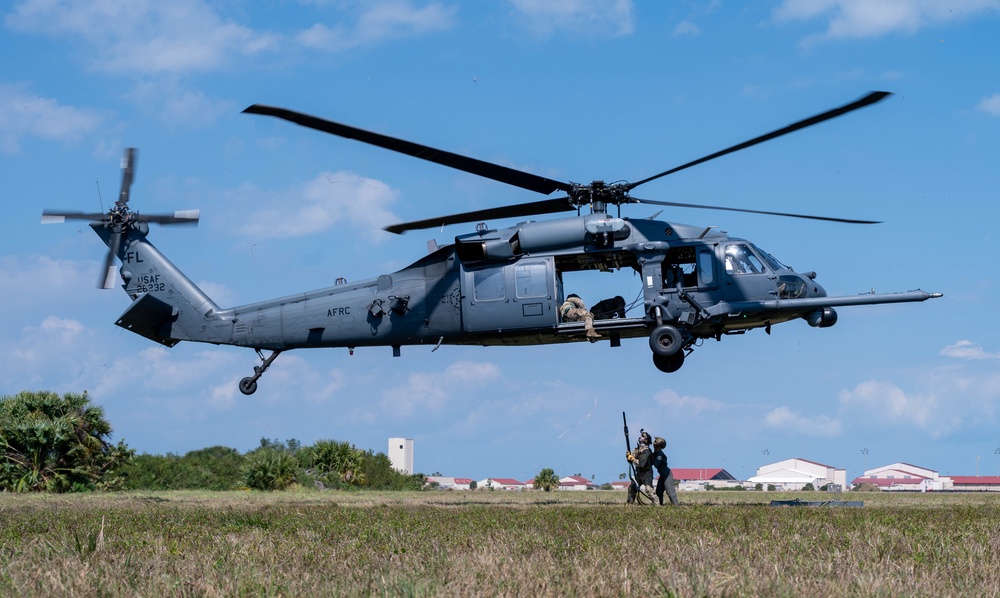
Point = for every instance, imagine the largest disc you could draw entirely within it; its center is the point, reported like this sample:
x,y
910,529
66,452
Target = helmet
x,y
572,295
659,442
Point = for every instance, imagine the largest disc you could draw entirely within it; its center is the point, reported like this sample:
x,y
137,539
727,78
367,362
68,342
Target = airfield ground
x,y
496,543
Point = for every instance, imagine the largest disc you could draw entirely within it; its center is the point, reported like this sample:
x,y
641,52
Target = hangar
x,y
794,474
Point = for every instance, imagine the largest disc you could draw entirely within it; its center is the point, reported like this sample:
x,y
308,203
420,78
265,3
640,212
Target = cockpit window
x,y
771,260
741,260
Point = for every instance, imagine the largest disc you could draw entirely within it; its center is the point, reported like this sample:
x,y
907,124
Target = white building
x,y
903,476
401,454
500,484
794,474
575,482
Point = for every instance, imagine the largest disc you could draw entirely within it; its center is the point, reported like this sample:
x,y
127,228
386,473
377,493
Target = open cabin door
x,y
510,296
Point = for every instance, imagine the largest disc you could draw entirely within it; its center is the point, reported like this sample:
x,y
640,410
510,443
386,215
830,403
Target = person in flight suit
x,y
666,480
575,310
642,459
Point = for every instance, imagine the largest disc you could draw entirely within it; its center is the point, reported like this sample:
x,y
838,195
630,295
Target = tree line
x,y
53,443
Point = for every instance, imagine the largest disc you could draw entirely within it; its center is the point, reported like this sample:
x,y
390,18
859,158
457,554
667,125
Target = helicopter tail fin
x,y
166,306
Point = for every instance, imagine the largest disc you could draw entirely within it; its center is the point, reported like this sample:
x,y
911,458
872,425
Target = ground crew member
x,y
574,310
642,459
666,481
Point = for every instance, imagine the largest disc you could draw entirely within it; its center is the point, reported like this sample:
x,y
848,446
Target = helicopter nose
x,y
815,289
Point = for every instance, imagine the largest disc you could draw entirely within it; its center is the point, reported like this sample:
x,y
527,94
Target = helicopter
x,y
493,286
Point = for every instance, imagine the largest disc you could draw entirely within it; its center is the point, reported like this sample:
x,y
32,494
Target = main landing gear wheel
x,y
665,340
670,364
248,385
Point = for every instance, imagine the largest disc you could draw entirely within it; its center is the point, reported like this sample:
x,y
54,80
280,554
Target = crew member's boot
x,y
588,324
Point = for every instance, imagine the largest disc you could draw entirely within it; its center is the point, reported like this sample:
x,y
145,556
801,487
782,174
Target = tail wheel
x,y
670,364
665,340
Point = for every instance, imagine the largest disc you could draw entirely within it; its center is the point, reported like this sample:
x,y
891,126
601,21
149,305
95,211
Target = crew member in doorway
x,y
666,479
575,310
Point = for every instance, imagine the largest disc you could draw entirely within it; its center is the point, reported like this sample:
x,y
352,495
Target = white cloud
x,y
25,114
864,18
794,422
968,350
686,29
686,403
891,406
176,105
380,21
144,36
330,199
601,18
990,105
431,391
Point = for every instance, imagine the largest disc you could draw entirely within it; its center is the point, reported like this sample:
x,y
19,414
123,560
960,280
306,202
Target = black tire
x,y
669,365
665,340
248,386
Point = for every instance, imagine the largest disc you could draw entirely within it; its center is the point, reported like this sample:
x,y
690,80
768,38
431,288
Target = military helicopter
x,y
494,286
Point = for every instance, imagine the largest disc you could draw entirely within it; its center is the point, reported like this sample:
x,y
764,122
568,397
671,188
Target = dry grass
x,y
496,543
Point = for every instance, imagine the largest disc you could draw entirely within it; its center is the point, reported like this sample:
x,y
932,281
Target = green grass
x,y
496,543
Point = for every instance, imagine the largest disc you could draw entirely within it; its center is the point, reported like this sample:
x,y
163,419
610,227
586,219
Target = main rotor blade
x,y
789,215
54,217
178,217
545,206
128,171
517,178
868,100
107,279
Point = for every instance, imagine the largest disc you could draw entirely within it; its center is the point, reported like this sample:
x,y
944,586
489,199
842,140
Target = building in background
x,y
700,478
903,476
401,454
500,484
794,474
575,482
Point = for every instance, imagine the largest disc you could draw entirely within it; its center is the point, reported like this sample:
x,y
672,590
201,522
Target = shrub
x,y
269,469
57,444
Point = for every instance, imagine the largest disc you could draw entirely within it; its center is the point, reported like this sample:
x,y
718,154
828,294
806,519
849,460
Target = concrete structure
x,y
401,454
903,476
794,474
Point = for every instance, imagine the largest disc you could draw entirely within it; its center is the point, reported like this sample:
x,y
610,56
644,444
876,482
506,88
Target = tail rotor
x,y
120,219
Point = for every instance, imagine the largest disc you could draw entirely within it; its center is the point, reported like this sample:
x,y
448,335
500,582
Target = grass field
x,y
496,543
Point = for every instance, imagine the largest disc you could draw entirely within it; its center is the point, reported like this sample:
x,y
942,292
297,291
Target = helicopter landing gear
x,y
665,340
669,364
248,385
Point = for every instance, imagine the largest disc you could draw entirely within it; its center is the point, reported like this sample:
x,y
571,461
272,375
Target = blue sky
x,y
573,90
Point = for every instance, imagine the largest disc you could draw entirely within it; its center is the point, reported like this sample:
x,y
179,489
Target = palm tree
x,y
53,443
546,480
342,458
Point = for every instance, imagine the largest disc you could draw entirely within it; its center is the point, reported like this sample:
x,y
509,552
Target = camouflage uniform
x,y
666,479
574,310
642,458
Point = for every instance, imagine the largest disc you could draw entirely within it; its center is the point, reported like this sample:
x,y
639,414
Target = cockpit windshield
x,y
771,260
741,260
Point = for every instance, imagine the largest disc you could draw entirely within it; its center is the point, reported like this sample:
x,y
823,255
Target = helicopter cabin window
x,y
706,274
680,267
489,284
531,280
740,260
